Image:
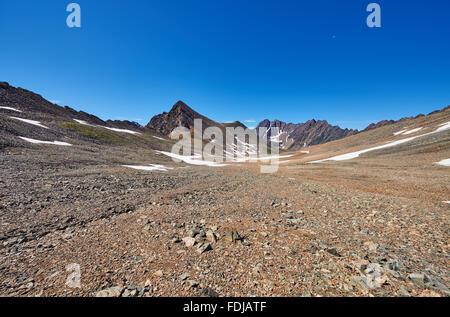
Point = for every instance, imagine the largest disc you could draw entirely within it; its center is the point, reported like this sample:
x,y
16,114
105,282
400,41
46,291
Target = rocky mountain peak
x,y
295,136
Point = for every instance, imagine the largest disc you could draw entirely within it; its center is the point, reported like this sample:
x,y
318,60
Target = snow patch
x,y
406,132
81,122
400,132
121,130
9,108
193,160
159,138
151,167
444,162
412,131
111,129
353,155
45,142
446,202
443,127
36,123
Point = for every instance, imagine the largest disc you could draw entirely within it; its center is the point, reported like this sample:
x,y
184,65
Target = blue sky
x,y
232,60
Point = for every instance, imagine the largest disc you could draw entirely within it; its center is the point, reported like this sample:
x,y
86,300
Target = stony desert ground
x,y
374,226
372,221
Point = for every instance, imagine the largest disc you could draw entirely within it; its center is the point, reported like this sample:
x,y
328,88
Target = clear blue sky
x,y
232,60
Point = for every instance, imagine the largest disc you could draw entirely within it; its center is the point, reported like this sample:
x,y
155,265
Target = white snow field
x,y
400,132
151,167
112,129
156,137
193,160
406,132
196,159
11,109
412,131
349,156
81,122
36,123
45,142
445,162
120,130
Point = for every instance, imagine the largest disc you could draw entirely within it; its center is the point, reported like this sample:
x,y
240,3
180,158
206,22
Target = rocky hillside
x,y
383,123
27,118
29,102
181,115
292,136
295,136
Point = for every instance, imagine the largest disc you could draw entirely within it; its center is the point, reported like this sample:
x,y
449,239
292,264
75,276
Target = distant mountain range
x,y
291,136
295,136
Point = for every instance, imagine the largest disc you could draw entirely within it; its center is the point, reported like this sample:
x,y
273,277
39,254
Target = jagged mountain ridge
x,y
295,136
31,102
292,136
181,115
390,122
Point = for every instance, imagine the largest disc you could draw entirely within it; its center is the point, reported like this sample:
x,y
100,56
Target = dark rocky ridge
x,y
61,124
42,109
295,136
389,122
312,132
181,115
35,107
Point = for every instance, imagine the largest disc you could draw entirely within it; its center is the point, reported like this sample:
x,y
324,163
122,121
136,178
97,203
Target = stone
x,y
189,241
148,227
419,279
208,292
232,236
205,247
211,236
193,233
159,273
129,293
361,281
403,291
192,284
176,240
110,292
333,251
184,277
394,265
